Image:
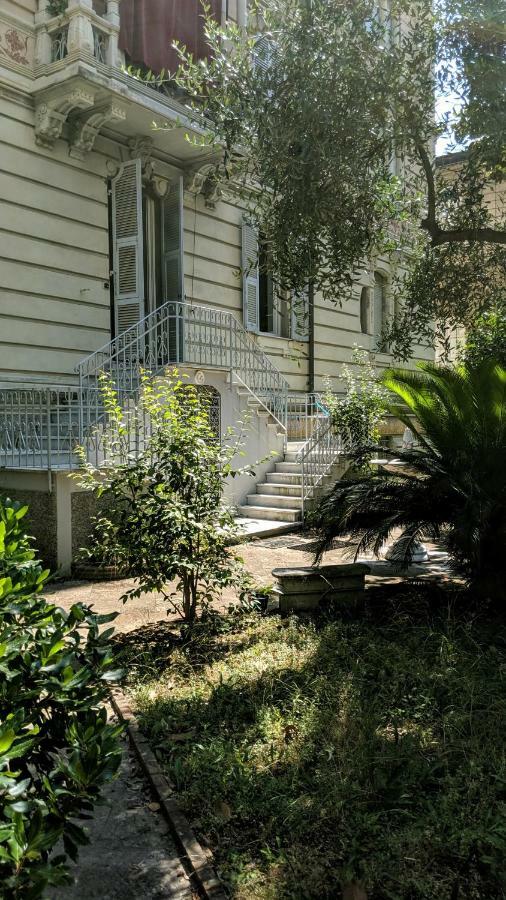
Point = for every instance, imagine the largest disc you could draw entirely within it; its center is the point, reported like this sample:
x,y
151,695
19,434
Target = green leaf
x,y
7,738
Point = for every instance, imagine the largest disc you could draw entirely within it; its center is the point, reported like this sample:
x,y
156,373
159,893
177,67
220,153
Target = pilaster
x,y
80,37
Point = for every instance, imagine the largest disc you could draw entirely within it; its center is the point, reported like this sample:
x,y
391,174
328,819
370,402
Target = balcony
x,y
81,85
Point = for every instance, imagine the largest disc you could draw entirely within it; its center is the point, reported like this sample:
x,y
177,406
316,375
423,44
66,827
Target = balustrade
x,y
86,27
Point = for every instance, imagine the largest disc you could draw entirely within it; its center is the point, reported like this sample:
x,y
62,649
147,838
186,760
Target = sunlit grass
x,y
306,755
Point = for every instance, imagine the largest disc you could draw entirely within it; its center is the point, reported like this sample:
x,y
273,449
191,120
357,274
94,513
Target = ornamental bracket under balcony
x,y
53,107
84,128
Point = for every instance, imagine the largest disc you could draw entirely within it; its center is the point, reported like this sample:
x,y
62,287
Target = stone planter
x,y
93,571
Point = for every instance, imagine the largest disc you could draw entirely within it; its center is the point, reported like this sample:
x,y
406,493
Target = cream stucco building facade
x,y
104,220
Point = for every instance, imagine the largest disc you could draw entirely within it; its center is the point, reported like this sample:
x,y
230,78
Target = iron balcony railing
x,y
180,333
41,425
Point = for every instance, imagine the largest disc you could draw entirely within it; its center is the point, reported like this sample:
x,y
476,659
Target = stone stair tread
x,y
270,512
273,500
288,467
286,490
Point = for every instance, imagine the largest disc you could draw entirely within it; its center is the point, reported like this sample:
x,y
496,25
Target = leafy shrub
x,y
165,518
487,340
56,748
452,489
57,7
356,415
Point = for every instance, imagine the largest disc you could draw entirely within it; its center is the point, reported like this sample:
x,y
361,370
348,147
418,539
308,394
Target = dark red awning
x,y
148,28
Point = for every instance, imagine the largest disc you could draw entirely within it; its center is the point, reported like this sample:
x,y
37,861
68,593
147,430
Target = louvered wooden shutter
x,y
128,245
379,305
250,277
172,242
300,316
264,53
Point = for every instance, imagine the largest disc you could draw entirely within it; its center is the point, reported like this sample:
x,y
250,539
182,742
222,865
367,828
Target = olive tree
x,y
321,116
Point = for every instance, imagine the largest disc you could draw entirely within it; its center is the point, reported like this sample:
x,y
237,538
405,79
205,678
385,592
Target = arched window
x,y
365,310
380,311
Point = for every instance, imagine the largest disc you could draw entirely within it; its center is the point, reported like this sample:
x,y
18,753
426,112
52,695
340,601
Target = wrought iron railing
x,y
180,333
304,414
40,426
317,457
100,45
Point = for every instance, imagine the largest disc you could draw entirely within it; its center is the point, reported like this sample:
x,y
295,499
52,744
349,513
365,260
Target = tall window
x,y
152,235
380,310
147,244
264,310
272,310
365,310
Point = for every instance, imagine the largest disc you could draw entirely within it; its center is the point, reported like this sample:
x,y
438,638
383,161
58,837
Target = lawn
x,y
308,753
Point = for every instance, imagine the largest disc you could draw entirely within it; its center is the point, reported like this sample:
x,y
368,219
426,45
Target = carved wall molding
x,y
16,45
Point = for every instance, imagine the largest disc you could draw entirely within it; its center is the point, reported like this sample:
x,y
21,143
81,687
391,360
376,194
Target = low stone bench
x,y
306,587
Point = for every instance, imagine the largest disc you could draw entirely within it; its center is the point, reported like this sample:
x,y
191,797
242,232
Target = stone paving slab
x,y
131,855
259,528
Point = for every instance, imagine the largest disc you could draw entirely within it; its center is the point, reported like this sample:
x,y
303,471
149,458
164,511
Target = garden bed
x,y
309,753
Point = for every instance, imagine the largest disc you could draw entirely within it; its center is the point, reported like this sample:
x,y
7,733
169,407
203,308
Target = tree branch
x,y
430,222
460,235
452,235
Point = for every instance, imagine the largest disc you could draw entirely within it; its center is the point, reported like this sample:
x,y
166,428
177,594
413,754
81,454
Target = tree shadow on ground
x,y
369,759
150,648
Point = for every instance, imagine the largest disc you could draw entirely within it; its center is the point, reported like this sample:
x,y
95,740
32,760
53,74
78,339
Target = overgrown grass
x,y
310,754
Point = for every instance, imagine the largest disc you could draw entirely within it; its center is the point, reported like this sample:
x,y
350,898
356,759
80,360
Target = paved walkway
x,y
260,558
131,855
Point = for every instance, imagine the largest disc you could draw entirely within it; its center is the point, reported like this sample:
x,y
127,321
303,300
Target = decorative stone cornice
x,y
84,128
53,108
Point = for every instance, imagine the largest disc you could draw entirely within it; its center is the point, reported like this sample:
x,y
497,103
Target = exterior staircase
x,y
280,497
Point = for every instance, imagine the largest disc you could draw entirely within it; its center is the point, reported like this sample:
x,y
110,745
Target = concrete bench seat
x,y
305,587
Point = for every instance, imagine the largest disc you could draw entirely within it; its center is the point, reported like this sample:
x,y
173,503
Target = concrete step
x,y
276,427
274,500
294,446
291,455
270,512
284,477
284,490
262,528
294,468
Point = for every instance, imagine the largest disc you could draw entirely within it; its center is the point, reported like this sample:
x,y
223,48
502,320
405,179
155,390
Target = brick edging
x,y
200,868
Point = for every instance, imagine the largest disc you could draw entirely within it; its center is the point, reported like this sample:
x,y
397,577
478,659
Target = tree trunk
x,y
354,891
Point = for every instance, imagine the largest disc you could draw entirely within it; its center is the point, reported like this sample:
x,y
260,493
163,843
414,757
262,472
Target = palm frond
x,y
452,487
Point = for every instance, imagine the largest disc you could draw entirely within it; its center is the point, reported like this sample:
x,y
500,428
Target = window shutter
x,y
380,309
127,237
264,53
300,316
250,277
173,242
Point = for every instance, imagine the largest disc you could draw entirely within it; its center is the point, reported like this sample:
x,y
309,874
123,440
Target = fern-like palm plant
x,y
451,488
